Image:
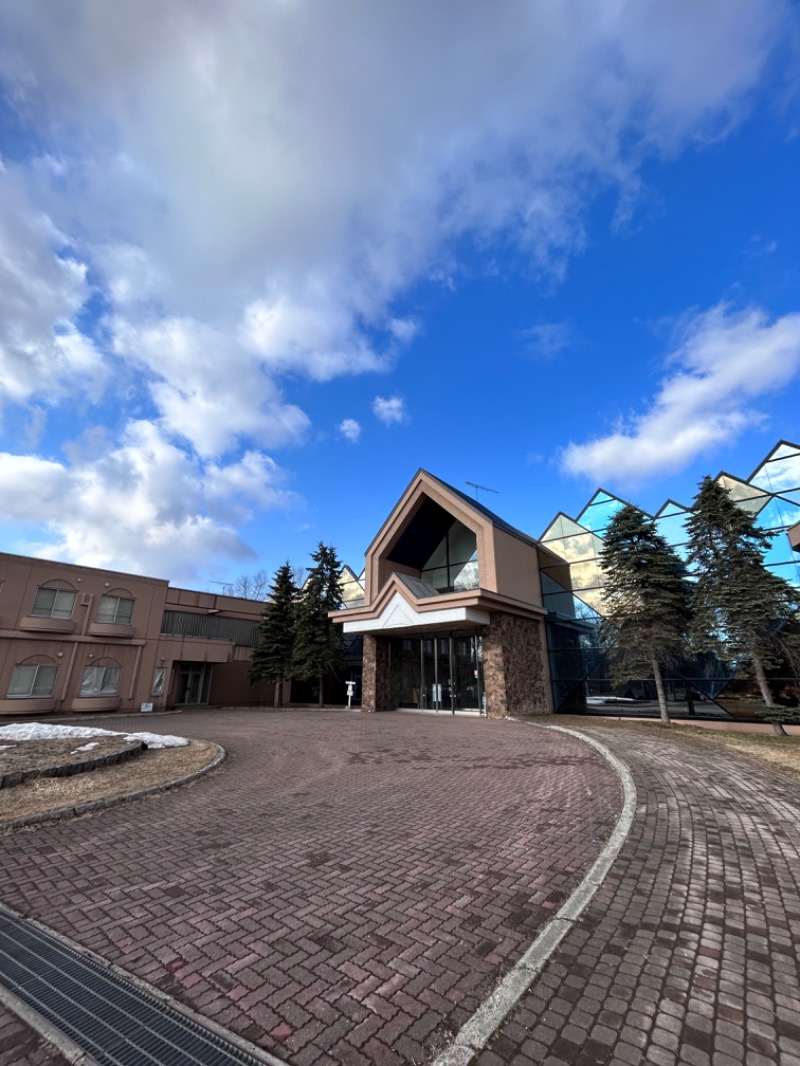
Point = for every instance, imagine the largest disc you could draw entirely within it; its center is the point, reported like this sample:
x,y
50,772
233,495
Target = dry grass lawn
x,y
39,795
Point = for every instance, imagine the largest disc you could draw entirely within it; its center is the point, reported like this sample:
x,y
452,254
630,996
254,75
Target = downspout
x,y
69,670
134,679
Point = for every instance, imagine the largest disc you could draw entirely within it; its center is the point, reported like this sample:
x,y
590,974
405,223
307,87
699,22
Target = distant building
x,y
456,611
462,612
771,492
74,639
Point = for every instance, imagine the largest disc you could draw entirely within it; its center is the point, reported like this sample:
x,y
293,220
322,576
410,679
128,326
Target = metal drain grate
x,y
111,1019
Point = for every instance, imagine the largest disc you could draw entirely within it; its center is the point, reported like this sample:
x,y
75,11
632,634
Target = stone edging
x,y
475,1034
111,801
67,769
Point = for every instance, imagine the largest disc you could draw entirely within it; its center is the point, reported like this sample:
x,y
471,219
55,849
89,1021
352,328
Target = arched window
x,y
116,607
53,600
34,677
101,678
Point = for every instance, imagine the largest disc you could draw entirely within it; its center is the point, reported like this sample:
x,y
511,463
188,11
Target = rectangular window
x,y
158,681
101,681
32,681
53,603
118,609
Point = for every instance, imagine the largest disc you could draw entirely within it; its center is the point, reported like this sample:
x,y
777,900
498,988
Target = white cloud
x,y
391,411
189,225
303,206
206,388
350,429
724,362
145,506
43,286
547,338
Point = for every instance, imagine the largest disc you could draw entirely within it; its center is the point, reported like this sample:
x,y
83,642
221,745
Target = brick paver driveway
x,y
690,951
345,889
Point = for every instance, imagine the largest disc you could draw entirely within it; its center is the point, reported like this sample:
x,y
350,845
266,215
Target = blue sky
x,y
260,261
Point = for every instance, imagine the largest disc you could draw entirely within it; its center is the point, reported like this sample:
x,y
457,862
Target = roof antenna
x,y
484,487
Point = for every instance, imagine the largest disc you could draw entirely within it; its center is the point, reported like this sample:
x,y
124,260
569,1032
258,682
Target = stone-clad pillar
x,y
515,668
375,674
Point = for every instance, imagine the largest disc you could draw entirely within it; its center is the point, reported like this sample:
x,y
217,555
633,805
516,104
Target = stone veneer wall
x,y
375,674
516,678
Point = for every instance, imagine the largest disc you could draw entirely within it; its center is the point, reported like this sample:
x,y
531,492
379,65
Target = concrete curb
x,y
67,1047
110,801
475,1034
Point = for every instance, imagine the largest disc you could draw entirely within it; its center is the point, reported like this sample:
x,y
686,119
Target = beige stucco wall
x,y
139,648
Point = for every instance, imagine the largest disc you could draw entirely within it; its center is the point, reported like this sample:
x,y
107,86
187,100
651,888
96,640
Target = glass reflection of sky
x,y
773,494
599,512
779,514
779,474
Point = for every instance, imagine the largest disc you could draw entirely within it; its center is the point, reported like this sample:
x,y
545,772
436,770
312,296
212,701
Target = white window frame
x,y
31,692
52,609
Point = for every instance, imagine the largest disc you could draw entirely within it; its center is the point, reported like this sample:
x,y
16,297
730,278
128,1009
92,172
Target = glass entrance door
x,y
193,683
442,673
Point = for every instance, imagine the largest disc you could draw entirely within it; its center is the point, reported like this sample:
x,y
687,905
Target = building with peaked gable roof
x,y
463,612
453,617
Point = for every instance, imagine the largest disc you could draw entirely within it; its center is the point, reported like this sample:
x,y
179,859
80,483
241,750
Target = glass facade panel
x,y
750,498
672,528
586,575
779,474
780,551
453,565
600,512
778,514
789,571
578,548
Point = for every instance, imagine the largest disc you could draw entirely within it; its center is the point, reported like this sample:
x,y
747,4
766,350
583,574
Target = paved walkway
x,y
346,893
345,889
690,951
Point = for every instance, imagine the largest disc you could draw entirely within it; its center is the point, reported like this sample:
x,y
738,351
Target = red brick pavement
x,y
689,954
345,889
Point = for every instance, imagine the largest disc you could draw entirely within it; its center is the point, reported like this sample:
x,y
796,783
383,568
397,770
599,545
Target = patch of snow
x,y
155,740
85,747
46,731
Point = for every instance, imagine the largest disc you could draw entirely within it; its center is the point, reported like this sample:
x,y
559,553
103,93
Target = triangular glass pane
x,y
597,515
789,572
778,514
555,529
672,528
747,496
780,551
580,548
779,474
783,451
671,508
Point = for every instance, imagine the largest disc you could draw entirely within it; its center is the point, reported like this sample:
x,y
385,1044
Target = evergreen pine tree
x,y
742,611
646,601
272,657
317,646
